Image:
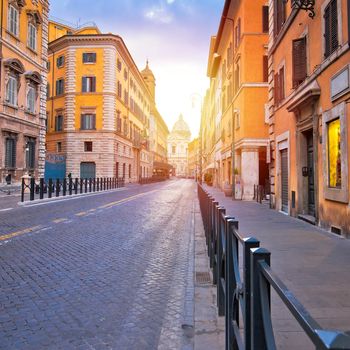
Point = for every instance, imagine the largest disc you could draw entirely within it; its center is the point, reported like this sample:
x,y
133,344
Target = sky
x,y
174,35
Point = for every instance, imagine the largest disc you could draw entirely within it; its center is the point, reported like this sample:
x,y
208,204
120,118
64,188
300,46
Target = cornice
x,y
114,40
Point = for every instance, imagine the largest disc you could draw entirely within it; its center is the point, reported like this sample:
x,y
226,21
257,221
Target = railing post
x,y
85,185
231,224
70,185
248,244
50,189
90,184
81,185
41,188
32,188
57,187
64,186
220,267
217,212
76,185
22,191
94,185
258,339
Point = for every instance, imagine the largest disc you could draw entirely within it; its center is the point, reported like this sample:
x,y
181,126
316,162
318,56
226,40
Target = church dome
x,y
147,71
181,128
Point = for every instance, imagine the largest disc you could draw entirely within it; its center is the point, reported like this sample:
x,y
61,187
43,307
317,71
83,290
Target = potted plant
x,y
208,178
227,189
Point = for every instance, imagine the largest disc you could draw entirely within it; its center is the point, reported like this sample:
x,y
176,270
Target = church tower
x,y
150,81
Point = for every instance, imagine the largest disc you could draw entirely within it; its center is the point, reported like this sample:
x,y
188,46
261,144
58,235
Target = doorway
x,y
284,180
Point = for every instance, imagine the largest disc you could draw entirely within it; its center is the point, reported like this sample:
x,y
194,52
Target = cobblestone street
x,y
110,271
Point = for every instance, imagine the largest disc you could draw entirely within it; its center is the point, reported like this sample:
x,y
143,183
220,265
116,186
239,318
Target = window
x,y
11,91
60,61
119,65
265,69
334,153
173,149
265,19
30,154
330,28
59,147
126,97
13,20
88,122
10,152
119,122
125,74
32,34
47,90
59,123
89,84
59,87
88,146
119,89
89,57
279,15
279,93
123,170
299,61
31,96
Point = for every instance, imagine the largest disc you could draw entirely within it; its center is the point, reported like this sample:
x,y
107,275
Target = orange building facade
x,y
309,78
234,113
98,106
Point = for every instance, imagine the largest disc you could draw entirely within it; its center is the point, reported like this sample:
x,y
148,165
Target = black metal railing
x,y
40,189
243,286
153,179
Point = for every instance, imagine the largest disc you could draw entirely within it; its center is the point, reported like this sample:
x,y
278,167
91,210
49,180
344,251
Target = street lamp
x,y
307,5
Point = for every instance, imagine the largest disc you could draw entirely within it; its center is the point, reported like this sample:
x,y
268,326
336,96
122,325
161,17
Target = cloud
x,y
158,14
170,1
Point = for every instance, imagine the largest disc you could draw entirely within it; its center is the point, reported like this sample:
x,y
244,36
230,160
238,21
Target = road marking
x,y
7,209
57,221
68,198
19,233
82,213
124,200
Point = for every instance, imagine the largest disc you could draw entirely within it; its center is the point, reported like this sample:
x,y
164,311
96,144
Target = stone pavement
x,y
313,263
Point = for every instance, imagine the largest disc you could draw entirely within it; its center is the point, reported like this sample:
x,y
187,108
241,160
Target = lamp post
x,y
307,5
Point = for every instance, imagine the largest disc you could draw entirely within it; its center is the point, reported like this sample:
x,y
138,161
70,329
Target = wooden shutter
x,y
85,57
327,39
94,121
334,25
265,69
281,84
93,84
84,84
276,89
265,19
299,61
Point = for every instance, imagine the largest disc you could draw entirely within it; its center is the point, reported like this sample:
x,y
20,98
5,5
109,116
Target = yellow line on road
x,y
19,233
108,205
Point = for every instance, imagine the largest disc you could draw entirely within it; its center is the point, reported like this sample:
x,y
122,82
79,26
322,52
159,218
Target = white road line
x,y
7,209
67,198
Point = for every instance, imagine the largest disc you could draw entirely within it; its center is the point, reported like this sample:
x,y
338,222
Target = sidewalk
x,y
314,264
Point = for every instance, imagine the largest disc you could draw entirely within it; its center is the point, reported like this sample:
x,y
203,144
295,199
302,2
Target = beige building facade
x,y
23,72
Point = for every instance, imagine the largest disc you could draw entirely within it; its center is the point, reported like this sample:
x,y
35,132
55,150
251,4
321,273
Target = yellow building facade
x,y
23,55
234,111
98,105
309,112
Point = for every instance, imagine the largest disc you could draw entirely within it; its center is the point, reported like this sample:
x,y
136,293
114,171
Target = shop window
x,y
334,154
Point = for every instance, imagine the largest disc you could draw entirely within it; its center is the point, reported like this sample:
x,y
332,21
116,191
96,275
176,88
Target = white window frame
x,y
13,20
12,91
32,36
